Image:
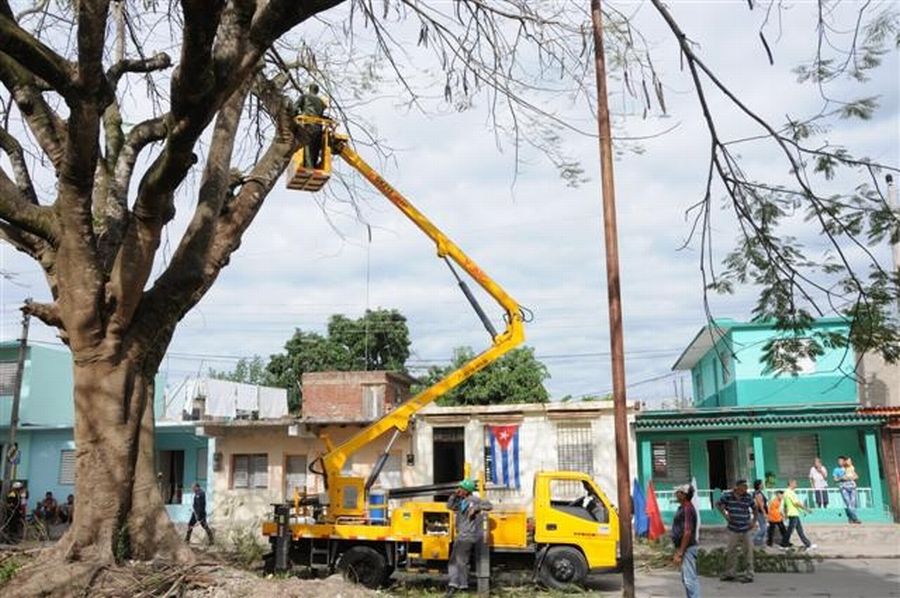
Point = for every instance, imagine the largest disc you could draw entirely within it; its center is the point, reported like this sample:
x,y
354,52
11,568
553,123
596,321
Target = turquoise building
x,y
746,421
45,432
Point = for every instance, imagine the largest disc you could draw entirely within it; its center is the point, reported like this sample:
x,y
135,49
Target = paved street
x,y
835,578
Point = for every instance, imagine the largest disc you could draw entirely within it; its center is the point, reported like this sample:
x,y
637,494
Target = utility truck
x,y
570,529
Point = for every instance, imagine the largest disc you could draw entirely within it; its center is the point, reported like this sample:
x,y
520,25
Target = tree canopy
x,y
379,340
517,377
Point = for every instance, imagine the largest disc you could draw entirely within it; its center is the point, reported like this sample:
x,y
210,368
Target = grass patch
x,y
8,569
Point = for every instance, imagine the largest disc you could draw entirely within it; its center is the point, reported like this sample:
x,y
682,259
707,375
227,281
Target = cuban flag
x,y
505,455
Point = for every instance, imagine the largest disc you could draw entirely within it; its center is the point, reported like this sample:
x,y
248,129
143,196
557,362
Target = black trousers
x,y
770,532
202,521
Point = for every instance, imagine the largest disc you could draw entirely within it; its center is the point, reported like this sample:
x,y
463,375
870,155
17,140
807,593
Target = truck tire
x,y
562,568
363,565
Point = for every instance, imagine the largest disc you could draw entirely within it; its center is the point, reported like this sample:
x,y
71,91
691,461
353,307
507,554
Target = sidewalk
x,y
863,578
877,540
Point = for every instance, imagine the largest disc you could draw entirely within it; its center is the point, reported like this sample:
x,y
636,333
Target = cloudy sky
x,y
304,259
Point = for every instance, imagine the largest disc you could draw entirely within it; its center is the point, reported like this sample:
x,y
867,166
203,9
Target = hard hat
x,y
467,485
16,485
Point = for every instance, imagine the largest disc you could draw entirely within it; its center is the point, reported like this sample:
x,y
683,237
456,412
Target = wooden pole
x,y
620,409
14,417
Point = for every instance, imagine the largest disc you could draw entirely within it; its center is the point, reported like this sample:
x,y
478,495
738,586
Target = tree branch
x,y
157,62
208,245
41,60
134,261
13,149
48,128
16,209
48,313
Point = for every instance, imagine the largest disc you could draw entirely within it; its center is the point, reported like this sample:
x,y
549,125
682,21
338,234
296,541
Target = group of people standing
x,y
753,518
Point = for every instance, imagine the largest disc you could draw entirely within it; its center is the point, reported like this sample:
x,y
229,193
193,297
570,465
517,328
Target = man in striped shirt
x,y
737,507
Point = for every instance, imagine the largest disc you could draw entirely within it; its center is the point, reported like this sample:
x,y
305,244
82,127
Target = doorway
x,y
170,476
449,455
722,471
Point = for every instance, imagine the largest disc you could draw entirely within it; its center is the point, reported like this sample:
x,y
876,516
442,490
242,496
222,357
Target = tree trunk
x,y
119,512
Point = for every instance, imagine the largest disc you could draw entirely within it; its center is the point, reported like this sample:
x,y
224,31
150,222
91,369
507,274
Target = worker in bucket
x,y
470,513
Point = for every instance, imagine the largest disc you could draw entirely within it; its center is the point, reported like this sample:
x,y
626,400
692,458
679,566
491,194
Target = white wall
x,y
537,441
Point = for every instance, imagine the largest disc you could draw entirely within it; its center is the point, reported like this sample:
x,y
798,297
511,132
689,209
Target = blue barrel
x,y
377,506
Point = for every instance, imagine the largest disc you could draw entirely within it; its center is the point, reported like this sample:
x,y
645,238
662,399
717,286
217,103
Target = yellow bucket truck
x,y
570,530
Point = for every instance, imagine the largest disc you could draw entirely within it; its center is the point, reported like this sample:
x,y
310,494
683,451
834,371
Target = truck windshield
x,y
578,499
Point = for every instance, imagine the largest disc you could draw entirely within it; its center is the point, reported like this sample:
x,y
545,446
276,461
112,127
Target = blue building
x,y
46,440
746,421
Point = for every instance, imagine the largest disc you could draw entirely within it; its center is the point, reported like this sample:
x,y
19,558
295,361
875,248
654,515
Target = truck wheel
x,y
562,568
363,565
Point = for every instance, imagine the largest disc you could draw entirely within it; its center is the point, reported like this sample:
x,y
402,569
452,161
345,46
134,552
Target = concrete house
x,y
257,463
45,434
748,422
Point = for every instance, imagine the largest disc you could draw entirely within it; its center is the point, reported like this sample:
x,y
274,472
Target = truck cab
x,y
576,528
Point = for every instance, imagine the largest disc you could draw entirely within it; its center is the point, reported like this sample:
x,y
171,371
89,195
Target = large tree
x,y
93,172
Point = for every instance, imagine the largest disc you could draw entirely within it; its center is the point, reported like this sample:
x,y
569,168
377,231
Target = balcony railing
x,y
666,498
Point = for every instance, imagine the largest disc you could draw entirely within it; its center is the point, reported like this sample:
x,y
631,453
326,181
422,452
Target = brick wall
x,y
339,396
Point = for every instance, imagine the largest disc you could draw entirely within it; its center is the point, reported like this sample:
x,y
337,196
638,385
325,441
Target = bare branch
x,y
48,313
157,62
48,128
42,61
13,149
19,211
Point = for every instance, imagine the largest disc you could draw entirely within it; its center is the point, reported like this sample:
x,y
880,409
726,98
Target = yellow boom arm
x,y
398,419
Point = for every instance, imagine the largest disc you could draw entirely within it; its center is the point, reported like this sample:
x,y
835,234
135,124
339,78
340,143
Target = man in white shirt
x,y
818,481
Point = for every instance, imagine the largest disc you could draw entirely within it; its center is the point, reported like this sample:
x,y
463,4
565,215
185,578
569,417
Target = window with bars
x,y
796,455
575,447
7,378
250,471
294,474
202,456
67,468
671,460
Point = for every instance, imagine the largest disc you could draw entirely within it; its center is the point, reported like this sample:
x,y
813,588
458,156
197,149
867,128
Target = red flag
x,y
657,527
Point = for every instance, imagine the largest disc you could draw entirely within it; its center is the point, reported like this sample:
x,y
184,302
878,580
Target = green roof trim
x,y
835,415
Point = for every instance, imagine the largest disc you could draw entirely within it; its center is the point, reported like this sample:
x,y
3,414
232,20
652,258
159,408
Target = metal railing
x,y
864,500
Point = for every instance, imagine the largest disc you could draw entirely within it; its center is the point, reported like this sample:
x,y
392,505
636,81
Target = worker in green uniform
x,y
312,104
470,513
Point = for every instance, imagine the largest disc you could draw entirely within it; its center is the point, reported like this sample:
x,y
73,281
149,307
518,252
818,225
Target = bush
x,y
246,547
8,569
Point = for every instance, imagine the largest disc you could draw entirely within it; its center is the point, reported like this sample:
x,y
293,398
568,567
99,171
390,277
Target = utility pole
x,y
895,207
620,409
14,415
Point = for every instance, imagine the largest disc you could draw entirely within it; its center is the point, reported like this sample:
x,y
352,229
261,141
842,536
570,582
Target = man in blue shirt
x,y
737,507
847,485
